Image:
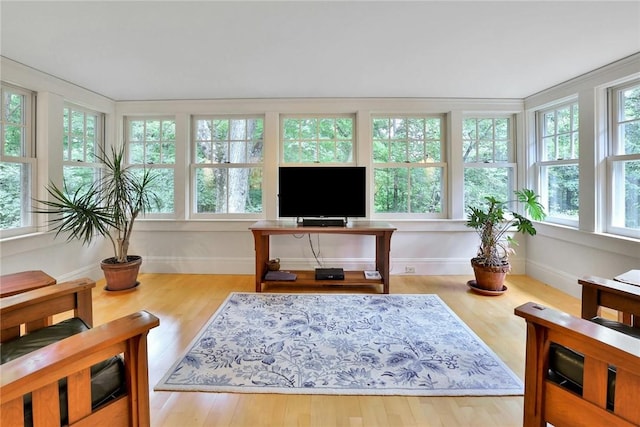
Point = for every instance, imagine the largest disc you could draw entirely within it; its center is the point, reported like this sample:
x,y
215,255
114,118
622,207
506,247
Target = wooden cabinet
x,y
382,231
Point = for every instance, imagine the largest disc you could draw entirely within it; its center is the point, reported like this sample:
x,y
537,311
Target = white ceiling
x,y
149,50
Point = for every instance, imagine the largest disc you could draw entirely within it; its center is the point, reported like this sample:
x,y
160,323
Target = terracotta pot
x,y
490,278
121,276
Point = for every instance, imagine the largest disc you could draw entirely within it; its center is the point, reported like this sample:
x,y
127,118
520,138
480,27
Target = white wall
x,y
431,247
58,258
559,256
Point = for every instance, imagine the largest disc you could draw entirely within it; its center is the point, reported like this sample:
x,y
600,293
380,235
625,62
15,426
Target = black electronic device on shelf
x,y
322,222
329,274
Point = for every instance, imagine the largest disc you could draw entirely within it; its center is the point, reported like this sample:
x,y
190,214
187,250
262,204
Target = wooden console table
x,y
262,230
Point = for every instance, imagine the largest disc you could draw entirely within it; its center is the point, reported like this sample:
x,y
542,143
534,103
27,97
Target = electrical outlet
x,y
409,269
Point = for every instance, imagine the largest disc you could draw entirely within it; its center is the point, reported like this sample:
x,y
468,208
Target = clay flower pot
x,y
121,275
490,278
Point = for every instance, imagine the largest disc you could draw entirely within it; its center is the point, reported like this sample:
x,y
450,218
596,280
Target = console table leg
x,y
383,246
262,256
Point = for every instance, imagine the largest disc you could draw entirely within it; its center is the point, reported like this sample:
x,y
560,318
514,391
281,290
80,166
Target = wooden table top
x,y
17,283
351,227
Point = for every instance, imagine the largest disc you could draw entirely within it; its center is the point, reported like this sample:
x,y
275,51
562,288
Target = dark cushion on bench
x,y
107,377
566,366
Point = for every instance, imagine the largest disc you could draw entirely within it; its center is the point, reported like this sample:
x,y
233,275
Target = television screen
x,y
331,191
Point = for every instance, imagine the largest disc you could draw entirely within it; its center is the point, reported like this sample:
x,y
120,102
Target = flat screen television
x,y
322,192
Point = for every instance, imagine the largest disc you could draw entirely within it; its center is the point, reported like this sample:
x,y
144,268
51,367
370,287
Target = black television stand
x,y
323,222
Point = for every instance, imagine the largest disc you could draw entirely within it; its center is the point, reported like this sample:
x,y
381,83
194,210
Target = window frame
x,y
99,144
28,158
410,165
146,165
510,164
194,166
318,139
614,158
542,164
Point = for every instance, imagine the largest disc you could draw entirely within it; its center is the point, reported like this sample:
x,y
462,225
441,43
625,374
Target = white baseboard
x,y
444,266
421,266
94,272
555,278
197,265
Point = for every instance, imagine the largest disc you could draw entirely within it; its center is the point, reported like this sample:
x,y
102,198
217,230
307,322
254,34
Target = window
x,y
558,162
17,160
489,159
409,172
326,139
151,144
228,164
624,160
82,140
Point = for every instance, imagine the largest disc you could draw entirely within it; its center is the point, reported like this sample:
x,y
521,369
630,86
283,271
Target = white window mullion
x,y
18,157
558,183
487,174
624,161
164,168
398,158
214,177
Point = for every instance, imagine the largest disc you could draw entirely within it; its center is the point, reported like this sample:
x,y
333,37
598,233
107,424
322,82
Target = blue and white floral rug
x,y
339,344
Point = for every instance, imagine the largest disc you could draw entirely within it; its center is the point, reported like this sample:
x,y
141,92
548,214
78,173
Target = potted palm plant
x,y
108,207
492,222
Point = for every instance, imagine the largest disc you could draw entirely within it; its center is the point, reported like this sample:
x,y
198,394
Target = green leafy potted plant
x,y
108,207
492,222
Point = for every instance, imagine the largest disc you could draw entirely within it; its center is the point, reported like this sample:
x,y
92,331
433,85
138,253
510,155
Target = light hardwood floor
x,y
185,302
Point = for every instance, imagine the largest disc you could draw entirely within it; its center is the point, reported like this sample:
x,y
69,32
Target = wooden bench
x,y
39,372
604,351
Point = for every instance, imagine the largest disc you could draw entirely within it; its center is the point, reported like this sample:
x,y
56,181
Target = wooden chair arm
x,y
602,340
80,351
23,281
40,304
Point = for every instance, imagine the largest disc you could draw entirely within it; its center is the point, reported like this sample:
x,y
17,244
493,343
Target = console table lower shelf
x,y
307,277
